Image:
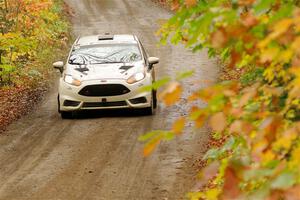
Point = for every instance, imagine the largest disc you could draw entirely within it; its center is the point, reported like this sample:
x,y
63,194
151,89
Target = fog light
x,y
138,100
71,103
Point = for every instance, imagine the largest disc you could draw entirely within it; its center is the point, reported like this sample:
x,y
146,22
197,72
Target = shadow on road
x,y
91,114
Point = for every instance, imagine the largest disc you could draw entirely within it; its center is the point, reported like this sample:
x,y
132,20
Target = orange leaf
x,y
218,122
171,94
149,147
210,171
219,38
175,5
231,185
235,57
190,3
194,96
200,121
292,193
178,126
236,112
236,127
246,2
248,19
249,93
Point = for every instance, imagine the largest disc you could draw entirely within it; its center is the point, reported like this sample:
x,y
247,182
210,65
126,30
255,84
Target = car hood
x,y
105,71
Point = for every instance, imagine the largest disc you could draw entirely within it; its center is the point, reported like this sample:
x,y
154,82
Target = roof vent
x,y
106,36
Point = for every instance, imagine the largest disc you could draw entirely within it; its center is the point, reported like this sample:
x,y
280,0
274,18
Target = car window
x,y
105,53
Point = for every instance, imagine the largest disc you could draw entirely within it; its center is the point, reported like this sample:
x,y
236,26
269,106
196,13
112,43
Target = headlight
x,y
136,77
69,79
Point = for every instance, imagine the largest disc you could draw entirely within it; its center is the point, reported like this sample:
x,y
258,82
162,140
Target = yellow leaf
x,y
281,27
262,44
285,141
268,156
269,74
258,148
171,94
218,122
297,23
269,54
295,45
285,56
213,194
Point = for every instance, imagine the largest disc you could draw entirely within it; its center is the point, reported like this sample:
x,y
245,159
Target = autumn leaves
x,y
28,30
258,114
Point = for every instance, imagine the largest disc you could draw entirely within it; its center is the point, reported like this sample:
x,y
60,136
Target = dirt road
x,y
97,156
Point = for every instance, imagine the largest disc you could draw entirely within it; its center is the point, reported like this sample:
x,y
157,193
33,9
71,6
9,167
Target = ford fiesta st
x,y
106,72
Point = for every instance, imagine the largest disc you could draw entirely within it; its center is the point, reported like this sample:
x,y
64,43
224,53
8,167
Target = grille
x,y
104,90
104,104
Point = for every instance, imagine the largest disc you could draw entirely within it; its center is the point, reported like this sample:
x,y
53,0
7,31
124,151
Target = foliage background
x,y
256,110
32,34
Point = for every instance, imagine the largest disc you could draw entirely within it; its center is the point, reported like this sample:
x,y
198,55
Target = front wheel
x,y
154,95
151,109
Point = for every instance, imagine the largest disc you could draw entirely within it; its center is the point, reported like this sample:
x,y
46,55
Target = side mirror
x,y
153,60
59,65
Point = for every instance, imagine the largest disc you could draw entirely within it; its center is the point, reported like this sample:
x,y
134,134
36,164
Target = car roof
x,y
105,39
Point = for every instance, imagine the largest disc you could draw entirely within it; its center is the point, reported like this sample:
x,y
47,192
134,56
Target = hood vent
x,y
125,68
105,37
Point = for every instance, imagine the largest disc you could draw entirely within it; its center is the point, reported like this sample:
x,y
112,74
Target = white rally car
x,y
106,72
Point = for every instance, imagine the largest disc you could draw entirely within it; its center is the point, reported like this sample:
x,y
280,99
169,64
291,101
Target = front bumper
x,y
71,100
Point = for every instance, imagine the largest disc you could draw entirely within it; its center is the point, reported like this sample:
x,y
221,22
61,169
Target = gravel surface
x,y
97,155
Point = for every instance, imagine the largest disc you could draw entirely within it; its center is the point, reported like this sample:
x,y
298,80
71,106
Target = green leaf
x,y
168,135
34,73
230,143
284,11
156,84
284,180
225,54
257,173
149,135
259,31
184,75
212,154
263,6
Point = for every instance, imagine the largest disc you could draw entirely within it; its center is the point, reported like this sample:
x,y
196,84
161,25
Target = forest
x,y
32,34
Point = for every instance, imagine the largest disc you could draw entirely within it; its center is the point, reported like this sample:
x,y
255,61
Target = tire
x,y
150,110
58,104
66,115
154,99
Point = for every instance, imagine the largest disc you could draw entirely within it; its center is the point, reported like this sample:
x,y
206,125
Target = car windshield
x,y
105,53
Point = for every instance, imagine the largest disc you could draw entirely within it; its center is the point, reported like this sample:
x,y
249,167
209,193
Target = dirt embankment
x,y
18,101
